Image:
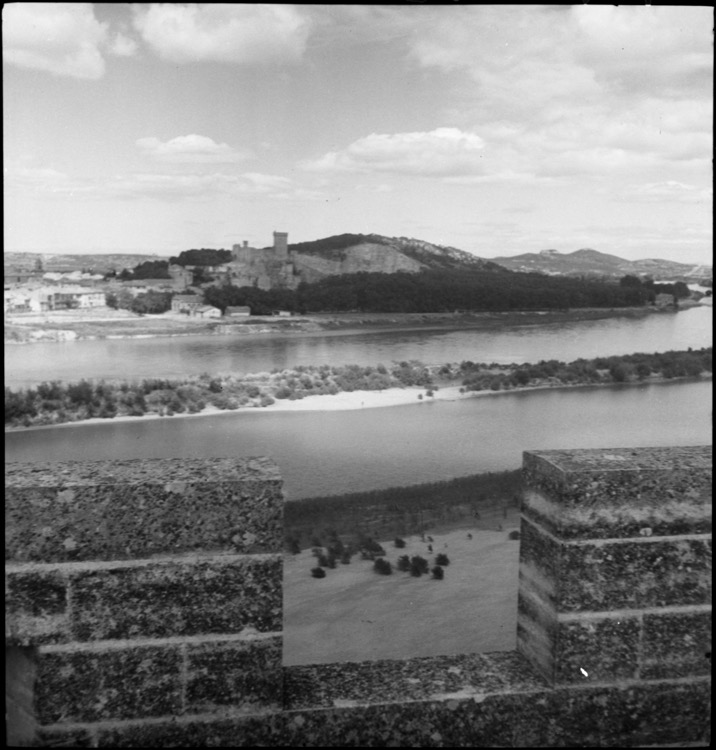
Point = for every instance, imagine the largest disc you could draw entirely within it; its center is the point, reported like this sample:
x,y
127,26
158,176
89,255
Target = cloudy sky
x,y
495,129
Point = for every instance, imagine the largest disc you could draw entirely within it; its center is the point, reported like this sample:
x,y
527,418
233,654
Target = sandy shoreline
x,y
352,400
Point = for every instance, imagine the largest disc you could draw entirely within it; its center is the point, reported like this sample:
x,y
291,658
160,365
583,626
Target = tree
x,y
418,566
382,566
318,572
438,573
442,559
399,543
152,303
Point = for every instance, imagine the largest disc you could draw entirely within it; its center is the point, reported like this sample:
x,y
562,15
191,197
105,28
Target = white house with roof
x,y
186,303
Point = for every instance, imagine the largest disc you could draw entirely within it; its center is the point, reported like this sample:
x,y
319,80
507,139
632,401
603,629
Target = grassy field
x,y
355,614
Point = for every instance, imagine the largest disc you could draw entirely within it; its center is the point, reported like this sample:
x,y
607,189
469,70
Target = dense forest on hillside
x,y
336,242
312,522
204,256
433,291
56,402
149,269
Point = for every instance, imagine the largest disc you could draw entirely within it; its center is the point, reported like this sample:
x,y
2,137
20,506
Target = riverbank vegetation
x,y
56,402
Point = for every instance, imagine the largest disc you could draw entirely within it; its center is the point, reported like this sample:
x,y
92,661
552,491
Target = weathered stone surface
x,y
590,717
65,738
635,575
443,677
245,675
598,494
597,650
536,632
178,597
75,685
676,644
646,572
35,606
118,510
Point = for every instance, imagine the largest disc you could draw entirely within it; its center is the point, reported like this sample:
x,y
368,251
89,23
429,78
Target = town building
x,y
205,311
186,303
240,311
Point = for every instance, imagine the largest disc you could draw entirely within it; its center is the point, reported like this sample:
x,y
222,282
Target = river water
x,y
130,359
335,452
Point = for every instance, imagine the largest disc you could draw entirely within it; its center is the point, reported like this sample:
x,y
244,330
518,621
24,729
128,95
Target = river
x,y
131,359
323,453
335,452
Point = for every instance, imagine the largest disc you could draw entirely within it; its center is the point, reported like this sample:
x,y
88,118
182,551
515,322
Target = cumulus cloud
x,y
245,33
60,38
190,149
122,46
440,152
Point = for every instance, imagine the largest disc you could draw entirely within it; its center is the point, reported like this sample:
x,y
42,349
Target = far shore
x,y
352,400
79,325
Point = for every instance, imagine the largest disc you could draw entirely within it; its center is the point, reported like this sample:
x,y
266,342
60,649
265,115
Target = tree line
x,y
432,291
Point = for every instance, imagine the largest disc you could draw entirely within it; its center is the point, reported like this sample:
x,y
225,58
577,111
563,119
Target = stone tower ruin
x,y
280,245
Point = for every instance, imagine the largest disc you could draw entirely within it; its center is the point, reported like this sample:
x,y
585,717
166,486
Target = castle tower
x,y
280,245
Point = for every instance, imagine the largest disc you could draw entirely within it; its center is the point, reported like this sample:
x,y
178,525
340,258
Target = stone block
x,y
676,644
615,493
537,630
94,684
634,575
243,675
597,650
623,574
178,597
132,509
35,606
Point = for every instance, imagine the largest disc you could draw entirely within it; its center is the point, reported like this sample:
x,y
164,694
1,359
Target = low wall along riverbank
x,y
136,623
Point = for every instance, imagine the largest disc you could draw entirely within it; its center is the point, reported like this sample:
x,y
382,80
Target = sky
x,y
495,129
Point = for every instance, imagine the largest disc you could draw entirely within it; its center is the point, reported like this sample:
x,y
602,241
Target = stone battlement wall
x,y
144,609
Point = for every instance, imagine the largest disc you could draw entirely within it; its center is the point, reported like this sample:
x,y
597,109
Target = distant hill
x,y
375,253
93,262
589,262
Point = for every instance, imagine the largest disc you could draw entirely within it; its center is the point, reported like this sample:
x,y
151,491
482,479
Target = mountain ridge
x,y
590,262
353,253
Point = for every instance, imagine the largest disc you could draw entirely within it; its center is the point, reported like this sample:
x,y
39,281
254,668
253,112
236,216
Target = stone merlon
x,y
144,609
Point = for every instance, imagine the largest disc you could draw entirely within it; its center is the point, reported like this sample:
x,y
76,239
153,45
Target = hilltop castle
x,y
265,268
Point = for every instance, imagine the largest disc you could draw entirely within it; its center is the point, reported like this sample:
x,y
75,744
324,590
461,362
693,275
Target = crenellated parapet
x,y
144,606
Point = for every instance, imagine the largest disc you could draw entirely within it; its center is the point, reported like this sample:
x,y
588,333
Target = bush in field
x,y
403,563
514,535
346,557
318,572
438,573
336,548
323,561
442,559
399,543
418,566
370,545
382,566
